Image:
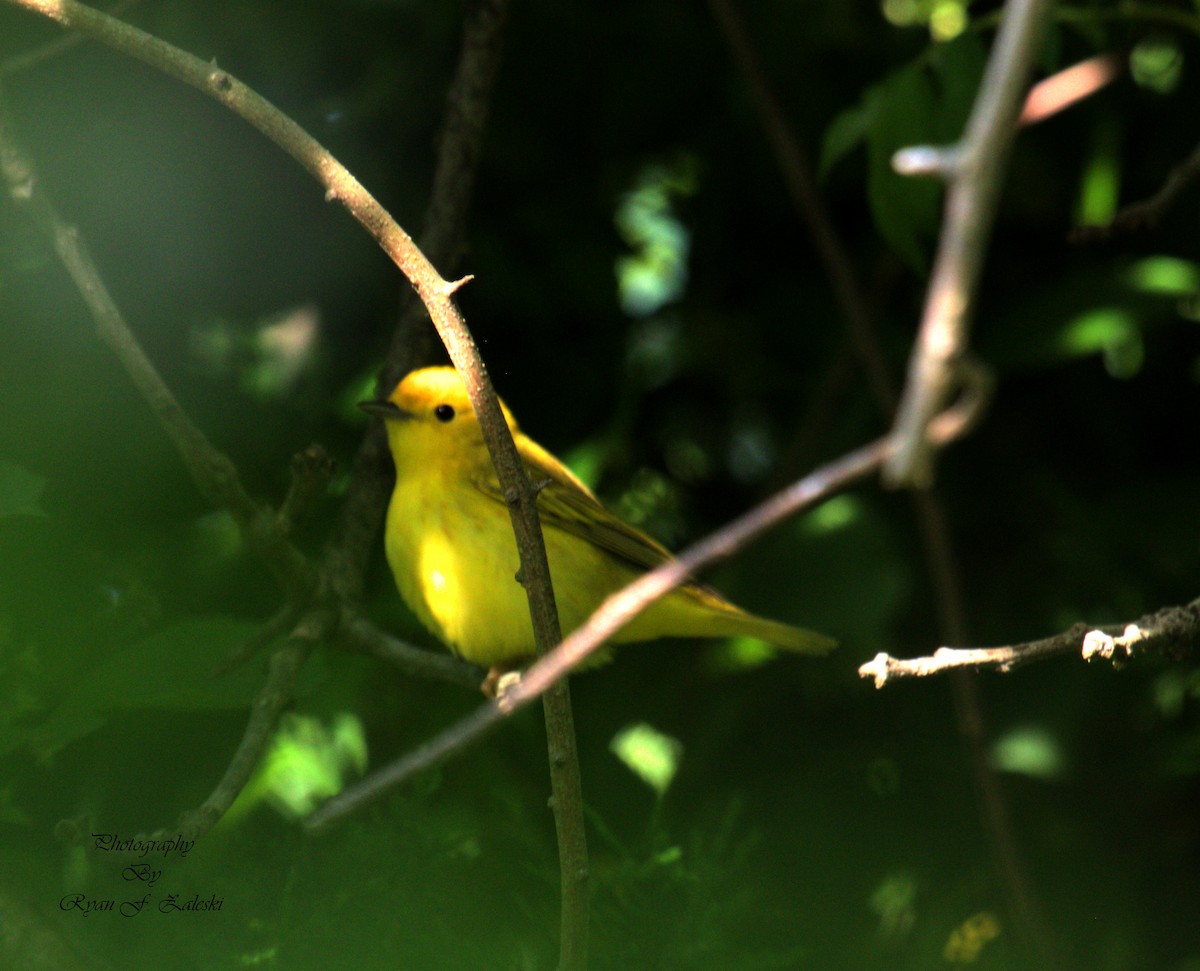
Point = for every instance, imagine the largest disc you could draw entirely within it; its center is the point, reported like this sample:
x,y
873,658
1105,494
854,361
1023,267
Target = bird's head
x,y
430,405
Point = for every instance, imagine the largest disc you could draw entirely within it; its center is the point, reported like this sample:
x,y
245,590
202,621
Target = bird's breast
x,y
452,552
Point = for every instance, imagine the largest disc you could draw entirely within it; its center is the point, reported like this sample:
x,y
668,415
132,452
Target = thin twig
x,y
274,627
435,293
1126,11
460,140
442,237
459,143
806,199
621,607
1007,858
356,633
1172,632
974,169
339,184
274,696
19,63
1147,214
311,470
213,473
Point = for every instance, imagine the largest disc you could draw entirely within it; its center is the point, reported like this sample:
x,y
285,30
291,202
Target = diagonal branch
x,y
806,199
270,702
435,292
356,633
974,170
216,478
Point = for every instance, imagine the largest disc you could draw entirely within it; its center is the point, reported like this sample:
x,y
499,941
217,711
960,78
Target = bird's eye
x,y
443,412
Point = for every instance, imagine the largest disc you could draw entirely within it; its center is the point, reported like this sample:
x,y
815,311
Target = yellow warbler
x,y
450,544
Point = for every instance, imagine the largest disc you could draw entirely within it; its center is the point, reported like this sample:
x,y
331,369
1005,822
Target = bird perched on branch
x,y
450,544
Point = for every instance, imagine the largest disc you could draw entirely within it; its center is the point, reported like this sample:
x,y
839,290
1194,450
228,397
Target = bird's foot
x,y
499,680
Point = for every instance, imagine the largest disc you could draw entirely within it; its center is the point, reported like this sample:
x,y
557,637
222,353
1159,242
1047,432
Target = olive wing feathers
x,y
565,503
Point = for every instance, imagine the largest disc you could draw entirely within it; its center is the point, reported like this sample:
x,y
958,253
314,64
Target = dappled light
x,y
1157,63
1031,751
946,19
652,756
306,764
655,272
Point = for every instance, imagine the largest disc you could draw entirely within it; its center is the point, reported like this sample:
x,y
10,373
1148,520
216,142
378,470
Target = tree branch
x,y
1172,632
442,237
274,696
20,63
356,633
974,169
311,470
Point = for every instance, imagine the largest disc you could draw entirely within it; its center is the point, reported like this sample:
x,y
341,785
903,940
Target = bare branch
x,y
356,633
934,530
56,48
311,469
445,226
271,629
442,236
274,696
974,169
435,293
1173,632
468,101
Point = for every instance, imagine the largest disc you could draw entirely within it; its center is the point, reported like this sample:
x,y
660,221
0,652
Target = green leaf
x,y
652,756
306,764
905,209
925,102
1167,276
845,133
957,72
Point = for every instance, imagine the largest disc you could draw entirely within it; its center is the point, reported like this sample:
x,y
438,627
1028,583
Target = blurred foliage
x,y
653,311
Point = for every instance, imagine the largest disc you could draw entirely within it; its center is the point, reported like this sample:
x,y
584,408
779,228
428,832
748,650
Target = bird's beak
x,y
384,409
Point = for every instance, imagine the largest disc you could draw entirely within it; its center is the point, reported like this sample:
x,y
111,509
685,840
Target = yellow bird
x,y
450,544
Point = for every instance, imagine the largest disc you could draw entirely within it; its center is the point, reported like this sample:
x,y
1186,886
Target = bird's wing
x,y
567,504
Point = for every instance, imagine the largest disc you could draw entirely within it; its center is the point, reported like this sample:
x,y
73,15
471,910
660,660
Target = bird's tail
x,y
777,634
696,611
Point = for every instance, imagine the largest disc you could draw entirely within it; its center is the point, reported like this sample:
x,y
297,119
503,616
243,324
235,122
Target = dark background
x,y
812,822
